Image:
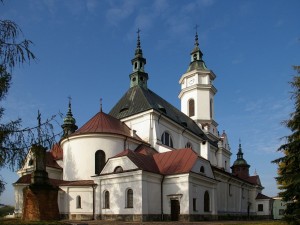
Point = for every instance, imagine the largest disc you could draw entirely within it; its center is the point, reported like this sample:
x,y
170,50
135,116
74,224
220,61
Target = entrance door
x,y
175,210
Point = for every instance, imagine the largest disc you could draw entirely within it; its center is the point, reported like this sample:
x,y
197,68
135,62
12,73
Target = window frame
x,y
129,198
191,107
166,139
106,200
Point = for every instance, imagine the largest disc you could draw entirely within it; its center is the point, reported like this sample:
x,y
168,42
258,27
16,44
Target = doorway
x,y
175,209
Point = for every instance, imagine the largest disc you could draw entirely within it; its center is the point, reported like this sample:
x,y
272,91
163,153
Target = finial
x,y
39,126
138,39
70,99
255,172
100,104
196,36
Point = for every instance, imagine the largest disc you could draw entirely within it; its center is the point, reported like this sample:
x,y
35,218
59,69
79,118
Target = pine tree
x,y
289,165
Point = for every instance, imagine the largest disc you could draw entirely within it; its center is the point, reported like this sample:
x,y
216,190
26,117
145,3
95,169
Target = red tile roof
x,y
26,179
167,163
254,180
51,162
104,123
57,152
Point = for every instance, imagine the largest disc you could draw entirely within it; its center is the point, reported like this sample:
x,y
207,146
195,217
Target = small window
x,y
30,162
78,202
206,202
260,208
106,200
118,169
135,65
188,145
202,170
166,139
129,196
195,56
191,104
194,204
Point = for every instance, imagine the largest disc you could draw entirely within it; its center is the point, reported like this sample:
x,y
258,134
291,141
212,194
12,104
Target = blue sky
x,y
84,48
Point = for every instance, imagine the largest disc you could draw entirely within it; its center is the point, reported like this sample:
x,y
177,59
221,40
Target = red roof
x,y
254,179
51,162
104,123
177,161
167,163
26,179
57,152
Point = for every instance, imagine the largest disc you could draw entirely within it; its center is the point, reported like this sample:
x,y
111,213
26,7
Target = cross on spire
x,y
196,35
70,99
138,38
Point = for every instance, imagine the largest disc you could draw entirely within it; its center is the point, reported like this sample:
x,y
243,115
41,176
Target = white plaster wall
x,y
67,200
117,185
266,207
80,152
176,185
207,168
18,192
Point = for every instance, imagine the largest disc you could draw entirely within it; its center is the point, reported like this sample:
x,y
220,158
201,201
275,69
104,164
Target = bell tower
x,y
197,93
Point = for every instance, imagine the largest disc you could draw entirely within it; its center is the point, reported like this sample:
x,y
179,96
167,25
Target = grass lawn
x,y
20,222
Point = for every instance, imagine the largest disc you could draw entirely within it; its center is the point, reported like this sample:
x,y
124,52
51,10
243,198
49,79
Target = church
x,y
147,160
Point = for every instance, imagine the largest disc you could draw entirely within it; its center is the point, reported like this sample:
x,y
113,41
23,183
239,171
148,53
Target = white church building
x,y
147,160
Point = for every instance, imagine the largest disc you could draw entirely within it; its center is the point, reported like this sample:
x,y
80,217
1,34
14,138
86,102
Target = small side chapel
x,y
147,160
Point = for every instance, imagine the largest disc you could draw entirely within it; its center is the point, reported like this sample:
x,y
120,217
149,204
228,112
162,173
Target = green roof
x,y
138,99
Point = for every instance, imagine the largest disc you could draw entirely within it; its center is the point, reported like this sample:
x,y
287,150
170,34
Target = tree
x,y
289,165
15,141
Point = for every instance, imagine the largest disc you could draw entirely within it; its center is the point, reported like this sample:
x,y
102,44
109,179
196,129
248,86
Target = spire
x,y
138,77
197,62
240,153
69,125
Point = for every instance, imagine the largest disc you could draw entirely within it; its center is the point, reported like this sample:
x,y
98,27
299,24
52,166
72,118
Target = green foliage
x,y
289,165
6,210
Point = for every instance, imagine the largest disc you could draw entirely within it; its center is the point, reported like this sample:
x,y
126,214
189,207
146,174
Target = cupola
x,y
138,77
196,57
240,166
69,126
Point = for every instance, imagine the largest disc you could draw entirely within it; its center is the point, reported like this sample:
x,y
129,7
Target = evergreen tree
x,y
289,165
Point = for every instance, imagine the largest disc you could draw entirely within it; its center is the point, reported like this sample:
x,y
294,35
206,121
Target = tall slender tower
x,y
197,93
69,126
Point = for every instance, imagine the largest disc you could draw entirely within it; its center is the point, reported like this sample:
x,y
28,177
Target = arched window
x,y
206,201
166,139
202,169
118,169
188,145
106,200
191,103
99,161
78,202
129,196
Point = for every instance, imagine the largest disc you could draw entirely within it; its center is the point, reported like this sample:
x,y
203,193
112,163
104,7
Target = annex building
x,y
148,160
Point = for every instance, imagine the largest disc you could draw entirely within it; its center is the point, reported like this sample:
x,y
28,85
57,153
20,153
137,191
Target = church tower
x,y
138,75
240,166
197,93
69,126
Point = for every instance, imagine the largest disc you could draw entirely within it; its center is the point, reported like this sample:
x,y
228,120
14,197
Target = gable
x,y
113,163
